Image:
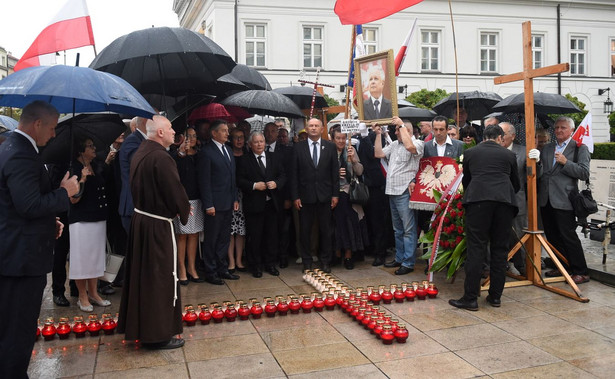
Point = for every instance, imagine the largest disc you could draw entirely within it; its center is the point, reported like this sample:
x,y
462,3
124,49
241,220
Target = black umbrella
x,y
167,61
416,114
302,96
250,77
476,103
401,103
101,128
544,103
264,102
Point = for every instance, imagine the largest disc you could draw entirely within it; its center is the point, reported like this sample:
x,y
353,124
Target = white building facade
x,y
282,38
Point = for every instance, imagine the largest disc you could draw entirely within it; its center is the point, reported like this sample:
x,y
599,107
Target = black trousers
x,y
488,226
285,236
560,228
262,233
378,215
60,253
307,215
20,301
217,240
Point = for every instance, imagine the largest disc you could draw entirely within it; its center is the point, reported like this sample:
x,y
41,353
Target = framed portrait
x,y
376,89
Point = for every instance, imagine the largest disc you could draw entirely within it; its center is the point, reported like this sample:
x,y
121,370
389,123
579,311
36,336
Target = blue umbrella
x,y
73,90
7,124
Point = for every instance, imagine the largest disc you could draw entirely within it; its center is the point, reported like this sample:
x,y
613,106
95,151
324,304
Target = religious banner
x,y
435,173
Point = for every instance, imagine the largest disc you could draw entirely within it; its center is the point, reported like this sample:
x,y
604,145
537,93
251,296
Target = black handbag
x,y
582,202
359,193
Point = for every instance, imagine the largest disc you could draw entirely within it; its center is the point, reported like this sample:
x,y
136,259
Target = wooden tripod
x,y
533,238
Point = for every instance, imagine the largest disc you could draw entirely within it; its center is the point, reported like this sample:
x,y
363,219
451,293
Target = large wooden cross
x,y
316,85
533,238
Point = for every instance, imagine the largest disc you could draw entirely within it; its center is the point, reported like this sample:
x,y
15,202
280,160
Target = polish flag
x,y
401,54
583,134
69,29
363,11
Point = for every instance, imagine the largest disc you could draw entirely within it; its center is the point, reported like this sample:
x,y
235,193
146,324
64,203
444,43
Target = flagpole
x,y
450,7
353,36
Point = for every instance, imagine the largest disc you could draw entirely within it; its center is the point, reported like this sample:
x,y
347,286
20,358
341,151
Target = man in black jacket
x,y
490,181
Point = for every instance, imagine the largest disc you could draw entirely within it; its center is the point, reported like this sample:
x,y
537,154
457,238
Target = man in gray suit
x,y
560,174
442,145
377,106
520,221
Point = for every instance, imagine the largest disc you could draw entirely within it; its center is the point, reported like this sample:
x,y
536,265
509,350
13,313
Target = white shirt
x,y
264,158
271,146
318,147
442,148
221,148
379,101
403,166
143,134
29,139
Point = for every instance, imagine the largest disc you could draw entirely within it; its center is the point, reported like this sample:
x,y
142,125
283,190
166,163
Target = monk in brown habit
x,y
150,310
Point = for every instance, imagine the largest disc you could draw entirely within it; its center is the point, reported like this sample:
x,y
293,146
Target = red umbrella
x,y
214,111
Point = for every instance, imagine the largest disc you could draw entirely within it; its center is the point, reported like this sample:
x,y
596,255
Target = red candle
x,y
49,330
386,335
256,310
330,302
372,324
432,291
94,326
294,305
360,315
63,328
79,327
378,328
204,315
230,313
399,296
270,308
283,307
421,293
243,311
401,334
306,304
190,316
217,314
387,296
109,324
366,319
319,303
410,294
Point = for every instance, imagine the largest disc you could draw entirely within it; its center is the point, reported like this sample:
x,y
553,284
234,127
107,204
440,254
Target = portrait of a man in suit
x,y
376,75
376,106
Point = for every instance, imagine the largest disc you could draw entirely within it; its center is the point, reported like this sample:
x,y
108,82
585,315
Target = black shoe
x,y
326,268
493,302
173,343
106,290
231,270
392,263
307,266
214,280
283,262
228,275
271,270
184,282
119,283
60,300
464,304
348,263
378,261
257,273
403,270
195,280
240,269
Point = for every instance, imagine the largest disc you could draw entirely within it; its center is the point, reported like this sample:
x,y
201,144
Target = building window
x,y
538,50
255,45
488,52
312,46
577,55
430,50
612,56
370,40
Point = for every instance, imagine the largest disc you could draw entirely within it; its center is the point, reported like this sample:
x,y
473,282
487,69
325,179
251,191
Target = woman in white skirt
x,y
88,229
188,235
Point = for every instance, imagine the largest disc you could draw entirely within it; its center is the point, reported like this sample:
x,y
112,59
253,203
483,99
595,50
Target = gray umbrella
x,y
250,77
544,103
416,114
302,96
401,103
264,102
476,103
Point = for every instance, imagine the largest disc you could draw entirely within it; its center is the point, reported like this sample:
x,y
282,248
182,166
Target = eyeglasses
x,y
90,145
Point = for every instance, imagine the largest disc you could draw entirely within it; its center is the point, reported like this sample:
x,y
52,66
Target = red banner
x,y
435,173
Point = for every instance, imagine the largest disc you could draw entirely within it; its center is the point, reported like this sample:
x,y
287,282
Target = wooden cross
x,y
533,238
316,84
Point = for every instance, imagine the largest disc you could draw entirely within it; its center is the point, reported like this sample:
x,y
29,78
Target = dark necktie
x,y
225,153
261,164
269,148
376,111
315,153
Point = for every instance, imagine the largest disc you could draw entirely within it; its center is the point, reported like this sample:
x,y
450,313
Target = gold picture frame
x,y
369,89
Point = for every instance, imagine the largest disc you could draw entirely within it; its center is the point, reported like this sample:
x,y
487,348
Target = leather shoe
x,y
60,300
403,270
392,263
348,263
326,268
579,279
464,304
241,269
271,270
184,282
214,280
85,308
493,302
195,280
173,343
553,273
283,262
257,273
229,276
378,261
106,290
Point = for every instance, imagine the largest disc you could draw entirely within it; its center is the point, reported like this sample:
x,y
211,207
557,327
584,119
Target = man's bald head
x,y
159,130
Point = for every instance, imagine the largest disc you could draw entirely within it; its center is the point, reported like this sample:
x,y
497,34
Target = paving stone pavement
x,y
535,333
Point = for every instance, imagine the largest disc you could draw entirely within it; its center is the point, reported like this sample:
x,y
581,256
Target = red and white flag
x,y
401,54
363,11
69,29
583,134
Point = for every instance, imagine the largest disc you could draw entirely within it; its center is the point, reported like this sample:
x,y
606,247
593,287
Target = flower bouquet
x,y
447,230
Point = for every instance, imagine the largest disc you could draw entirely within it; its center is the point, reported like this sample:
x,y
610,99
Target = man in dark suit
x,y
315,188
29,227
490,181
216,178
561,173
130,145
377,106
261,177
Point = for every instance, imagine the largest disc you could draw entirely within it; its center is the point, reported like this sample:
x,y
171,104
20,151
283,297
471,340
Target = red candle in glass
x,y
217,314
375,297
432,291
204,315
190,317
256,310
306,305
270,308
387,335
79,327
49,330
421,293
294,305
401,334
283,307
63,330
319,303
330,302
230,313
410,294
378,328
94,326
360,315
399,295
366,319
386,296
243,311
393,323
109,324
345,304
339,300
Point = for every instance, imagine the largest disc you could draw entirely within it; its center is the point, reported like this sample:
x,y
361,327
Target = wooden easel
x,y
533,238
